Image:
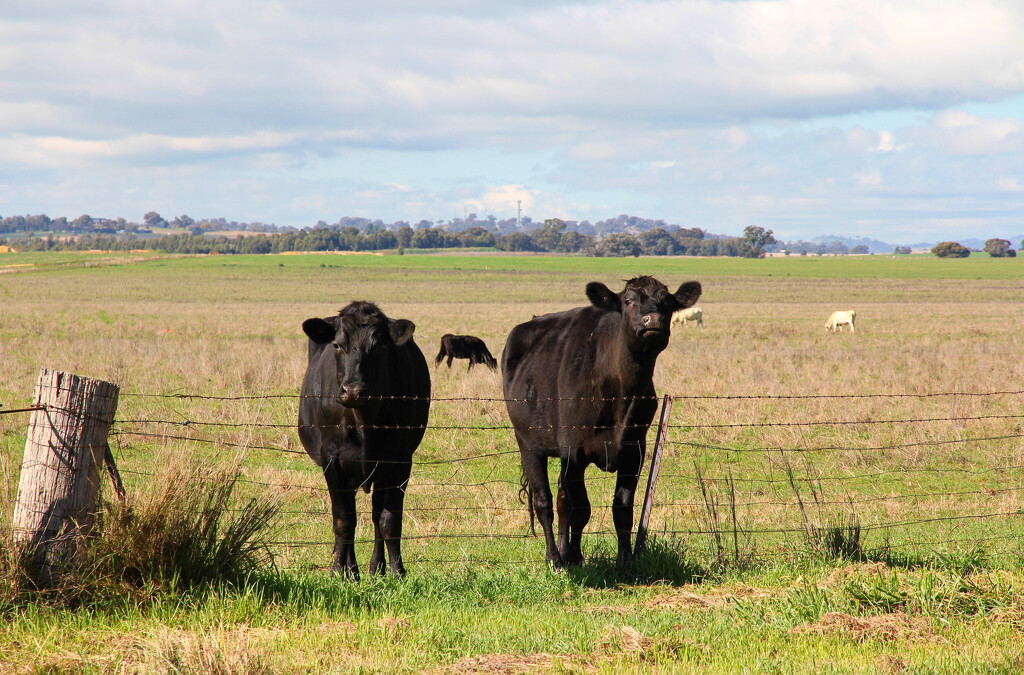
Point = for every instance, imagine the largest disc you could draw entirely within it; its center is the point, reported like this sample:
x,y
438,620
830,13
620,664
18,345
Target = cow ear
x,y
318,330
688,294
402,330
602,297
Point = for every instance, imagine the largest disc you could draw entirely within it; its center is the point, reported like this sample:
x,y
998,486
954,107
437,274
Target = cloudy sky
x,y
896,119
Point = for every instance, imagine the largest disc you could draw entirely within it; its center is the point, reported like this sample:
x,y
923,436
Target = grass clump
x,y
184,531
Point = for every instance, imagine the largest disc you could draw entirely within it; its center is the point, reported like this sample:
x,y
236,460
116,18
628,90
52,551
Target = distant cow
x,y
465,347
578,386
685,316
362,412
840,318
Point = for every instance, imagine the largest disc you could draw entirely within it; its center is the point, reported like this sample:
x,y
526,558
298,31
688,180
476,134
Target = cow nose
x,y
652,322
350,393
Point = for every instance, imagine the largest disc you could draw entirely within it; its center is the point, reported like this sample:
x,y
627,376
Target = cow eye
x,y
336,345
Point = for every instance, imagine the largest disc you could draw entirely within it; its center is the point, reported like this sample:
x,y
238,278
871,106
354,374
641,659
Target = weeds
x,y
181,533
741,557
664,560
840,537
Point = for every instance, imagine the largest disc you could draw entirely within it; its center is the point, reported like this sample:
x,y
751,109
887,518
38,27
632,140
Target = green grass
x,y
882,266
941,596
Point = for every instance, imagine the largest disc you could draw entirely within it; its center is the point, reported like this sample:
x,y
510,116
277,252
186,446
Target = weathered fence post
x,y
60,472
652,479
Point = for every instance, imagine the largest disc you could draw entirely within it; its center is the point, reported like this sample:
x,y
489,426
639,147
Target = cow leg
x,y
450,357
573,512
536,469
387,528
343,514
622,507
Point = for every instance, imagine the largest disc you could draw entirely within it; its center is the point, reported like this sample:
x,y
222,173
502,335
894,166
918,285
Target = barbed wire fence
x,y
901,477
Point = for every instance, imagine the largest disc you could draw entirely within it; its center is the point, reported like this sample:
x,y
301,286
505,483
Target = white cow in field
x,y
684,316
840,318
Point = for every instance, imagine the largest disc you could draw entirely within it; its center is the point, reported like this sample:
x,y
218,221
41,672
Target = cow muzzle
x,y
652,325
352,395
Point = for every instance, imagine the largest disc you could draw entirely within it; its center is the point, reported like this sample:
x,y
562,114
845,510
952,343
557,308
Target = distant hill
x,y
878,246
874,245
976,243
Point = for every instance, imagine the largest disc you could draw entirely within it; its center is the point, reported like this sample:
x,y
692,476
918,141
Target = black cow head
x,y
646,307
360,338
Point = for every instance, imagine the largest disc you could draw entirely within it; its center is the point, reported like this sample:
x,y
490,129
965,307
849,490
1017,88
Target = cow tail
x,y
526,495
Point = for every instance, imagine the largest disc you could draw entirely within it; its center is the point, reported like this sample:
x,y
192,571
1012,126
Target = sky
x,y
901,120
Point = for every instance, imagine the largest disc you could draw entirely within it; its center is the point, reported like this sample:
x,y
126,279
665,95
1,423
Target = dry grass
x,y
208,329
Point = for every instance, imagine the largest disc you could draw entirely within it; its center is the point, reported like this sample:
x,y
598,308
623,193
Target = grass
x,y
178,532
888,587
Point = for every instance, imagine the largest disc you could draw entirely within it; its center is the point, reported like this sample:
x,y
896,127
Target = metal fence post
x,y
652,479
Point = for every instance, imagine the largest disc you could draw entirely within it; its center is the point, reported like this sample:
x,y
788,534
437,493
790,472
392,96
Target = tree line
x,y
554,235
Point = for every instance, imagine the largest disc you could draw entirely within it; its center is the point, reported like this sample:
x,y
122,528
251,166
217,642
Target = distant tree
x,y
83,222
951,249
688,240
404,234
657,242
901,250
707,247
516,241
153,219
548,236
998,248
380,239
574,242
759,238
618,245
475,236
428,237
737,247
860,249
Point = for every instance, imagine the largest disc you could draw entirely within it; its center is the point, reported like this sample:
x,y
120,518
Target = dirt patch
x,y
847,573
501,663
619,640
716,597
861,628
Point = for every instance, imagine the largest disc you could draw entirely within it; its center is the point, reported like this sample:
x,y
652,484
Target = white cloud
x,y
656,107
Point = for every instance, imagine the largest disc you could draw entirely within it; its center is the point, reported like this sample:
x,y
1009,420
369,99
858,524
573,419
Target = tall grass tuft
x,y
716,524
184,531
664,560
189,530
838,537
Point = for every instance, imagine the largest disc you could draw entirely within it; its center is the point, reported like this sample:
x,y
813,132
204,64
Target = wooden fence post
x,y
60,472
652,479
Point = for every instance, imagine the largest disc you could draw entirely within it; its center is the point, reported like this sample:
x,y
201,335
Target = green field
x,y
783,440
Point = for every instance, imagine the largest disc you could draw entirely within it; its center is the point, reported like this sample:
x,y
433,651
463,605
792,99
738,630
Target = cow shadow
x,y
663,562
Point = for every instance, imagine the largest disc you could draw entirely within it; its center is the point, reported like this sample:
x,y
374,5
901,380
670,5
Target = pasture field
x,y
827,504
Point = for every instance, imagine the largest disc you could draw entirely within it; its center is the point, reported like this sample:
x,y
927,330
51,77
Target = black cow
x,y
465,347
578,386
363,411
